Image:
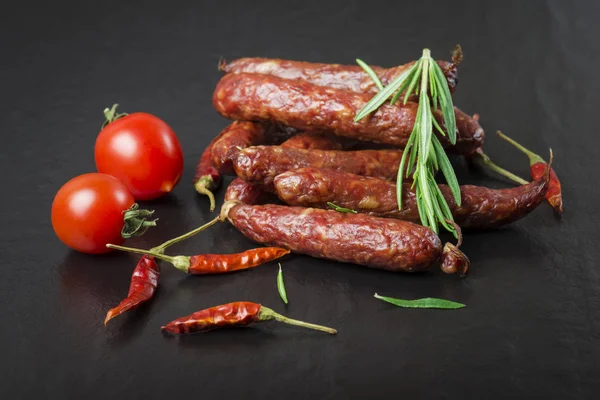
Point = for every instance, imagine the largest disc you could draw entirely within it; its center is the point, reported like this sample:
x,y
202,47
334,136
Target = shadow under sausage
x,y
508,243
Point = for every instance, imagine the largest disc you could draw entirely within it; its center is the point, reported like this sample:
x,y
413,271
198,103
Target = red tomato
x,y
87,212
141,151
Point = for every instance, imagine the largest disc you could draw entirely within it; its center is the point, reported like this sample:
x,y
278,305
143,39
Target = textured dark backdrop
x,y
531,328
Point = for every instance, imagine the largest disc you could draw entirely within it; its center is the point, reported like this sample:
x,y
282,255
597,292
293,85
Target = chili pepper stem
x,y
201,187
533,158
179,262
266,314
161,248
485,159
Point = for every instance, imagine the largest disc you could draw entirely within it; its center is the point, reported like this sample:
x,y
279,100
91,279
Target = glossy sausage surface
x,y
260,164
381,243
480,208
303,105
346,77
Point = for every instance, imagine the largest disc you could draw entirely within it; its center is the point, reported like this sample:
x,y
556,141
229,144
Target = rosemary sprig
x,y
423,155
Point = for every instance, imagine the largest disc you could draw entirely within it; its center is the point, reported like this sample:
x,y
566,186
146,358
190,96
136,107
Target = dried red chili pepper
x,y
537,167
215,263
145,276
207,178
142,287
240,313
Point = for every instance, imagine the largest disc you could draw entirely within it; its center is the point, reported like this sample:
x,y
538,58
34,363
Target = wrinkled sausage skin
x,y
480,208
238,135
381,243
260,164
317,141
345,77
303,105
246,193
242,134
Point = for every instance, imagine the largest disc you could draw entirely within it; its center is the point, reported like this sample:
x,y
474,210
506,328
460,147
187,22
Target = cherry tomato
x,y
87,212
141,151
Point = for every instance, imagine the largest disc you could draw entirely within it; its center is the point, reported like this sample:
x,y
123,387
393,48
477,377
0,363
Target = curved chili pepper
x,y
143,285
146,274
203,264
240,313
537,167
207,178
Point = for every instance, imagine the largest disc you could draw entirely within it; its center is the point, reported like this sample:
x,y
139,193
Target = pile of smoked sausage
x,y
295,147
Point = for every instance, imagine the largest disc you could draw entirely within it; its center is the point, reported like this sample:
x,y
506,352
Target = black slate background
x,y
532,325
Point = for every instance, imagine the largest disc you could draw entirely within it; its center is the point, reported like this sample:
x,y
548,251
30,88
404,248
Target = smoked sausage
x,y
302,105
345,77
480,208
381,243
260,164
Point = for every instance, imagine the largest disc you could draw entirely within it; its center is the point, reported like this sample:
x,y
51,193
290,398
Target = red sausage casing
x,y
381,243
303,105
480,207
260,164
247,193
345,77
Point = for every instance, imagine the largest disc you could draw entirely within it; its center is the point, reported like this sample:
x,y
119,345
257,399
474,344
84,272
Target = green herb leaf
x,y
370,72
403,87
424,190
281,286
433,88
447,170
425,129
428,302
414,79
413,157
437,126
421,209
382,95
341,209
447,107
400,175
443,203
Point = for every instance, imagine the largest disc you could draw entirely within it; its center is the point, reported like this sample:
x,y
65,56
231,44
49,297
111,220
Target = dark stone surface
x,y
532,324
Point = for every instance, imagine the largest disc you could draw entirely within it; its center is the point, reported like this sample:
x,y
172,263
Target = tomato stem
x,y
111,115
136,222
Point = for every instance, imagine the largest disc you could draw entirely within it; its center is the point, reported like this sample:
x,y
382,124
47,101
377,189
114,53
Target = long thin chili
x,y
239,313
215,263
537,167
